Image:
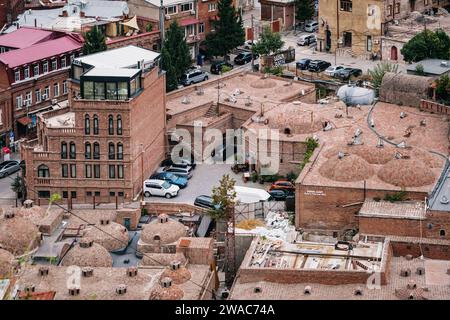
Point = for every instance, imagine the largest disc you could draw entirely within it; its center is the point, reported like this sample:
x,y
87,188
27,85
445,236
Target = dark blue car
x,y
171,178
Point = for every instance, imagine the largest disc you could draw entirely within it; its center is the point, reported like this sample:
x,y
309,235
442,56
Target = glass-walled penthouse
x,y
110,84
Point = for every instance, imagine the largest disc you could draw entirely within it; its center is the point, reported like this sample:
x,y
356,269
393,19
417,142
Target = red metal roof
x,y
24,121
41,51
189,21
50,295
24,37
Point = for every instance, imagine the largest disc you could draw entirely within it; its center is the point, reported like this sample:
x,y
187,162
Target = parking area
x,y
204,178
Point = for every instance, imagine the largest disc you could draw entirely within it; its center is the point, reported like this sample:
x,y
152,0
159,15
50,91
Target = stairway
x,y
212,112
345,52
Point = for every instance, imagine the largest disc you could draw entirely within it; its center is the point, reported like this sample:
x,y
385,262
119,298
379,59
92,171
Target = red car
x,y
282,185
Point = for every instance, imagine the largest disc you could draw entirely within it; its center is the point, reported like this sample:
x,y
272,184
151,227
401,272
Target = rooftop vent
x,y
409,257
121,289
380,143
307,290
405,272
104,222
248,101
200,91
185,100
402,145
74,291
372,123
43,271
86,243
237,92
163,218
420,271
402,115
327,126
411,285
358,291
257,290
357,132
30,288
166,282
444,200
423,123
87,272
175,265
341,155
225,294
9,214
132,272
444,64
28,203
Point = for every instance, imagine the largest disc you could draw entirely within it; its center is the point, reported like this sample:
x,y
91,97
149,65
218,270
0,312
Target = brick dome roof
x,y
18,235
163,230
349,168
112,236
7,263
263,83
87,254
406,173
166,290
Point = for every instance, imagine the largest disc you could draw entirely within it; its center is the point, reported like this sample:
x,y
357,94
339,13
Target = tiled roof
x,y
23,37
41,51
403,209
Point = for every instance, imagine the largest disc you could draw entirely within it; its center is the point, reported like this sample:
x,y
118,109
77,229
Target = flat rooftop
x,y
124,57
111,72
249,91
313,256
431,66
386,209
415,147
440,200
66,120
432,285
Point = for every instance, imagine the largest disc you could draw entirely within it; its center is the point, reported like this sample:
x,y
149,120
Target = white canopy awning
x,y
132,23
250,195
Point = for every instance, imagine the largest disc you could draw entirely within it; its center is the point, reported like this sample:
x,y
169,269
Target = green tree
x,y
18,186
149,27
427,44
229,31
443,89
304,10
175,55
378,72
419,70
94,41
223,198
269,42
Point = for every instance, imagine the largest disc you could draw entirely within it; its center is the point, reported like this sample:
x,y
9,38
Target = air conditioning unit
x,y
444,63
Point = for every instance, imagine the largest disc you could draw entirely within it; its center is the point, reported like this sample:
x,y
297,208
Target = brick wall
x,y
434,107
147,40
169,208
132,214
390,226
431,251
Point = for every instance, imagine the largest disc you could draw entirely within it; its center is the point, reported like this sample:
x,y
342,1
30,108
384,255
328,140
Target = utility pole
x,y
161,22
253,39
337,32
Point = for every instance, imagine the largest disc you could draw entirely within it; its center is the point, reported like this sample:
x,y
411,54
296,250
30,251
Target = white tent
x,y
250,195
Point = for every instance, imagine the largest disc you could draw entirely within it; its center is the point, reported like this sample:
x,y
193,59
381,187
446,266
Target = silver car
x,y
194,76
9,167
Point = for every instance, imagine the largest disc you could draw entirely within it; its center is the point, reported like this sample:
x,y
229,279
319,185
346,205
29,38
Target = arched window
x,y
43,171
287,131
73,152
96,151
63,150
87,124
111,124
119,151
119,124
111,151
442,233
88,151
95,124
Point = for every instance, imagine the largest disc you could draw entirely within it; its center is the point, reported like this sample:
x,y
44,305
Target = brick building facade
x,y
34,68
109,139
10,9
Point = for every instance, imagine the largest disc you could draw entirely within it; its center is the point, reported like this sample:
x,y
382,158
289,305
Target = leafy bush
x,y
277,71
254,176
419,70
398,196
225,69
144,212
291,176
311,145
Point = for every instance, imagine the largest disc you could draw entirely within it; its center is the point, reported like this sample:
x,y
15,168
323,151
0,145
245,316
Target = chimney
x,y
82,14
87,272
121,289
28,204
43,271
132,272
166,282
9,214
74,291
65,13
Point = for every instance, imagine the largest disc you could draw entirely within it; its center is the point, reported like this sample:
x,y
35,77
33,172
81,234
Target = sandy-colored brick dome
x,y
112,236
431,160
88,254
163,230
374,155
263,83
17,235
294,120
177,272
406,173
6,264
166,290
349,168
31,212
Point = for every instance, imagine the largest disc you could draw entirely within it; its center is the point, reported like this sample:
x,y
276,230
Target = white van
x,y
162,188
313,26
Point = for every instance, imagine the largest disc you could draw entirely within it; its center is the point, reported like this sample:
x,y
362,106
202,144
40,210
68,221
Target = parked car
x,y
303,64
318,65
205,201
216,66
171,178
332,70
277,195
244,57
282,185
312,26
8,167
194,76
249,44
182,163
162,188
181,172
346,73
306,39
